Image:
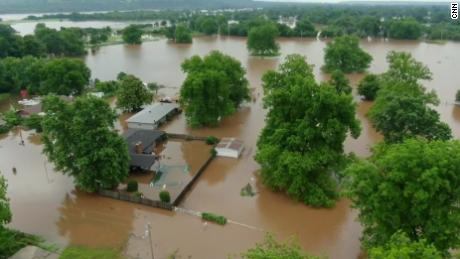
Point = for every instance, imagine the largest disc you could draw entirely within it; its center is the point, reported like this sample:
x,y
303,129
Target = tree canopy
x,y
401,247
132,94
271,248
262,40
344,54
64,76
369,86
412,187
5,212
132,34
179,34
214,88
80,140
403,108
301,146
340,82
405,29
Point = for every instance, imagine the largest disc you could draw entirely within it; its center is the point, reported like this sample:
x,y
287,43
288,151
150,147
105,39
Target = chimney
x,y
139,148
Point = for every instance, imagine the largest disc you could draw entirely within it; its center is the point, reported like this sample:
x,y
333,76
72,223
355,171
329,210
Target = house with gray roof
x,y
152,116
141,146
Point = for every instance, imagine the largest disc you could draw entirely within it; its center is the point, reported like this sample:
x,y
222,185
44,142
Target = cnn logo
x,y
454,11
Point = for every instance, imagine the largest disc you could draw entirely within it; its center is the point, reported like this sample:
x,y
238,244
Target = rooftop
x,y
153,113
144,139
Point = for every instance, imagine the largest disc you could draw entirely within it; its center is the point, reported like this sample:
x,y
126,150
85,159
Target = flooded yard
x,y
45,202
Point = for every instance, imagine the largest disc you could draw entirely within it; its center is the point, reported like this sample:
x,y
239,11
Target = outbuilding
x,y
229,147
152,116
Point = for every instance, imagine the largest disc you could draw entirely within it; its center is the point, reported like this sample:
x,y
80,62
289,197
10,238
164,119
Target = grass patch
x,y
4,96
12,241
80,252
221,220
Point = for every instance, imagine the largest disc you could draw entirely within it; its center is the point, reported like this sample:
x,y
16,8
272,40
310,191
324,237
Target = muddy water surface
x,y
45,202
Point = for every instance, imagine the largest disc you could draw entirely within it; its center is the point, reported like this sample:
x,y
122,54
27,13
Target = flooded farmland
x,y
45,202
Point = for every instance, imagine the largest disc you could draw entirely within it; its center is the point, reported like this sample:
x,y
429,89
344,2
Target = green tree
x,y
132,94
5,212
214,88
304,28
408,29
10,43
34,121
401,247
340,82
109,88
79,138
208,25
271,248
369,86
262,40
182,34
33,47
301,146
344,54
132,34
403,109
413,187
64,77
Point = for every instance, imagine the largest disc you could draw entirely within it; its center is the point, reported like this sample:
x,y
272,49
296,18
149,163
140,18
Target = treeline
x,y
50,42
401,22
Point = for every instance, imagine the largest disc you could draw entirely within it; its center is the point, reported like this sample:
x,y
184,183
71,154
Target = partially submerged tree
x,y
340,82
412,187
214,88
403,108
301,146
344,54
271,248
64,77
132,94
262,40
369,86
132,34
80,140
401,247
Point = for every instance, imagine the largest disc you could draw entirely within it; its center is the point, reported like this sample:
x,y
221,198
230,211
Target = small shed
x,y
229,147
152,116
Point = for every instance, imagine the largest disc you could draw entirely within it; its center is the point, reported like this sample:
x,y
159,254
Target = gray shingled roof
x,y
153,113
147,138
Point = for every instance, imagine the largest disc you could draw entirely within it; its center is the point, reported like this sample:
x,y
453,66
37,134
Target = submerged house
x,y
141,146
229,147
152,116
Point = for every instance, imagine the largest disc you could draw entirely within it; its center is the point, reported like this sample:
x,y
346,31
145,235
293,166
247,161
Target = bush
x,y
138,195
211,140
221,220
77,252
34,121
457,96
213,152
133,186
369,86
165,197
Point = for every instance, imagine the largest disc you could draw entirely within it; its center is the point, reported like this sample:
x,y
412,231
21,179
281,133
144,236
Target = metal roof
x,y
153,113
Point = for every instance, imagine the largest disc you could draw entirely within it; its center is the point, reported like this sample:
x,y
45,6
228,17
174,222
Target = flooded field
x,y
44,202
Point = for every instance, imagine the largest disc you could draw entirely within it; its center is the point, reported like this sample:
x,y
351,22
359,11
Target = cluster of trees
x,y
79,138
179,34
300,149
214,88
132,34
344,54
399,22
62,76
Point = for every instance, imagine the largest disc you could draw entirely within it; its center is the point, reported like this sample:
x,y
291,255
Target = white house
x,y
152,116
229,147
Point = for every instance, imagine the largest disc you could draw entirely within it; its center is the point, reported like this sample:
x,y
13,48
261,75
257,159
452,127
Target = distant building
x,y
34,106
152,116
141,146
229,147
291,22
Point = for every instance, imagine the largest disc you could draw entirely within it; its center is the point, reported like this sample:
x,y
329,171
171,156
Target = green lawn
x,y
80,252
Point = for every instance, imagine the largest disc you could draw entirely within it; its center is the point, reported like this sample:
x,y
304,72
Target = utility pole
x,y
149,233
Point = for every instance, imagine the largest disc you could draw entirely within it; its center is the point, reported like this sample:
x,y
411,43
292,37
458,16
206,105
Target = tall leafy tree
x,y
369,86
64,76
5,212
33,47
132,34
344,54
401,247
301,146
214,88
340,82
405,29
132,94
304,28
412,187
11,45
403,108
80,140
262,40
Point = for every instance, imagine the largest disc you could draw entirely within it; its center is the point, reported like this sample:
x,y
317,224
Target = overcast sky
x,y
337,1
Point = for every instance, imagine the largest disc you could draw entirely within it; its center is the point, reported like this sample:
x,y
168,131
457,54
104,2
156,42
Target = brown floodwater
x,y
44,202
